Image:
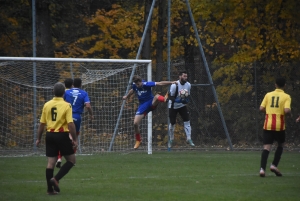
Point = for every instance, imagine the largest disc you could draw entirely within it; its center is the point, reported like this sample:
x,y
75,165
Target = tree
x,y
159,44
15,28
256,31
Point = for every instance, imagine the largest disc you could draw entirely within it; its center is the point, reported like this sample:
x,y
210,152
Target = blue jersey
x,y
77,98
144,93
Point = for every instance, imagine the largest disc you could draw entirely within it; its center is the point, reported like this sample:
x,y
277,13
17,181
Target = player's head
x,y
183,77
68,83
77,83
280,82
137,80
59,89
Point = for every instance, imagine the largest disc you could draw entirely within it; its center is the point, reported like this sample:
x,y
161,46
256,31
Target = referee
x,y
57,118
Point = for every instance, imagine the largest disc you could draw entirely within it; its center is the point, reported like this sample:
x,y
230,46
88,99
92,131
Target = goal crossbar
x,y
73,60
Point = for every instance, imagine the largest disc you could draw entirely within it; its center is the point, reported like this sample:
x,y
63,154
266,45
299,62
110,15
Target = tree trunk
x,y
146,49
45,47
162,6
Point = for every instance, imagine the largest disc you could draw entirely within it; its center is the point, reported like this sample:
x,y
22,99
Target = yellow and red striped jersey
x,y
57,113
275,102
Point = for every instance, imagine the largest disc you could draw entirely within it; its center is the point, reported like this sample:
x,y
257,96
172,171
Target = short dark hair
x,y
59,89
182,72
77,82
280,81
68,83
136,79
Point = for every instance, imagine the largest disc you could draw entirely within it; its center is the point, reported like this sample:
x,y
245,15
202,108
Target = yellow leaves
x,y
13,21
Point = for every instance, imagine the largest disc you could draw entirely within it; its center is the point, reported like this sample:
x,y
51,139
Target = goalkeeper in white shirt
x,y
177,104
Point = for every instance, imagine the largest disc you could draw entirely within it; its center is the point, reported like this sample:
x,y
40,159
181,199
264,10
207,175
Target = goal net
x,y
27,83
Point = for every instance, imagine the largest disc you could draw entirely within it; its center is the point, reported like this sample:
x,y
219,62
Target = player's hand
x,y
124,97
37,142
175,82
298,119
75,144
184,101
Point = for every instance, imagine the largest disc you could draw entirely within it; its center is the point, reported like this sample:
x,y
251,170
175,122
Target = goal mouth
x,y
27,84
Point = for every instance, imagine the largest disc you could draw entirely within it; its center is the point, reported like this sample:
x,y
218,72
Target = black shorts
x,y
183,111
56,142
270,136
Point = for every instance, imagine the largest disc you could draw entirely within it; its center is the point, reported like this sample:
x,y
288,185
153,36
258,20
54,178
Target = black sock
x,y
49,175
64,170
264,159
277,156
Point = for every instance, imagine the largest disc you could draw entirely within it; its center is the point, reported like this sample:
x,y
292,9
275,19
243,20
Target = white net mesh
x,y
105,82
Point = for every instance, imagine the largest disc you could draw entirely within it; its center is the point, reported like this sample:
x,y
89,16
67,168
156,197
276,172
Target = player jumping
x,y
147,101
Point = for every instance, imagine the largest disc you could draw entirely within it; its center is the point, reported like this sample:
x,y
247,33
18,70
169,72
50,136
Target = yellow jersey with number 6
x,y
57,113
275,102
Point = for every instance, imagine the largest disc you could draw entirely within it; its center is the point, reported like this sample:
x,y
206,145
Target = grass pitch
x,y
171,175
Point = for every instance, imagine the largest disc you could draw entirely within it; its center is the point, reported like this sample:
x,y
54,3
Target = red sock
x,y
161,99
59,156
138,137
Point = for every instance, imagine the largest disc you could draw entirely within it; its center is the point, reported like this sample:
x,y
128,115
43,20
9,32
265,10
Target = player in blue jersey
x,y
79,100
148,102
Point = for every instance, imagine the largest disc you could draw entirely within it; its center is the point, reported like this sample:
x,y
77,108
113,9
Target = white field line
x,y
157,177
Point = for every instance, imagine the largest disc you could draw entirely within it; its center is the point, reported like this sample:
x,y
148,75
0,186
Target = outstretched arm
x,y
130,92
162,83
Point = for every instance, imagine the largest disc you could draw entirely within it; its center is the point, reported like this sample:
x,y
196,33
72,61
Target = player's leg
x,y
58,162
49,175
66,149
77,122
51,153
136,124
268,141
158,98
280,138
142,111
172,118
184,113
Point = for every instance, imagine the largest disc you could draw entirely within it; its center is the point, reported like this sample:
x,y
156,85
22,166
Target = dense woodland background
x,y
247,44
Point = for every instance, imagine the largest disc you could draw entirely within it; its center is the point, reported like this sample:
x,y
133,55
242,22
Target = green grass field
x,y
161,176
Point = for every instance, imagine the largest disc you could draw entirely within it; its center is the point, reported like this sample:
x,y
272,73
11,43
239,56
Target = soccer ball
x,y
183,93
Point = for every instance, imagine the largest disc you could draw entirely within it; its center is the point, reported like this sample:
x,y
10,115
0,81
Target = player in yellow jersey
x,y
68,85
276,105
57,119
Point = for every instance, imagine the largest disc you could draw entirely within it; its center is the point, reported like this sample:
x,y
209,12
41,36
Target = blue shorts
x,y
77,121
145,108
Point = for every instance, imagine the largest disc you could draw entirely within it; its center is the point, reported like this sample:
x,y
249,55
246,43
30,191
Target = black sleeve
x,y
172,98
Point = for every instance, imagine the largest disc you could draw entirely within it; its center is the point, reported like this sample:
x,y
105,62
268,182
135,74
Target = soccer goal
x,y
27,83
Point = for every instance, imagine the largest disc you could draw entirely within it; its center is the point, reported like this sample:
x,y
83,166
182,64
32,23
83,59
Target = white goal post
x,y
26,83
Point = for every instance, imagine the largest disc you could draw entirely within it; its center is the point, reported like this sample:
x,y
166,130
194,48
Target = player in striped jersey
x,y
68,85
57,120
276,105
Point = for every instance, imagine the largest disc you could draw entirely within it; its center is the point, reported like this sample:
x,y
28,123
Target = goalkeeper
x,y
147,102
177,104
